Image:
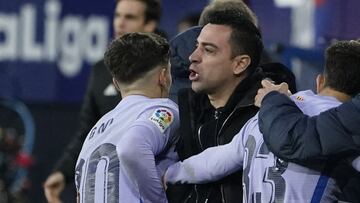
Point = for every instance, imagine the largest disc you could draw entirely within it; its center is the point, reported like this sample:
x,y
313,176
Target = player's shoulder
x,y
162,105
164,102
303,96
308,96
312,104
160,113
162,118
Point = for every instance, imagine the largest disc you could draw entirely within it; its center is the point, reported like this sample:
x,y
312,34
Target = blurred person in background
x,y
101,96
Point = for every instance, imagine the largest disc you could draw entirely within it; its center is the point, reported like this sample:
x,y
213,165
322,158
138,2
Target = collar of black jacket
x,y
244,94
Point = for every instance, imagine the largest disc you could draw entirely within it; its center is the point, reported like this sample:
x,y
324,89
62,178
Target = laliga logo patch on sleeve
x,y
162,118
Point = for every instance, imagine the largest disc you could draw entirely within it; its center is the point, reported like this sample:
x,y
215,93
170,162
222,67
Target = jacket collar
x,y
243,95
245,91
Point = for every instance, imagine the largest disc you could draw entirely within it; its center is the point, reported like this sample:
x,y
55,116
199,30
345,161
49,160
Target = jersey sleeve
x,y
210,165
143,151
163,120
137,152
356,163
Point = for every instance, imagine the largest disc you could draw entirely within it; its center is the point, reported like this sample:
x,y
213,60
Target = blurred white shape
x,y
288,3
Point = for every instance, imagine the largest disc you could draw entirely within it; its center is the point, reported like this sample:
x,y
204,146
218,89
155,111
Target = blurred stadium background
x,y
47,48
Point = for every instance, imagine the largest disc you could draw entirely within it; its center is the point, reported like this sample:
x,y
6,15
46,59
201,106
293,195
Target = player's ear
x,y
162,77
150,26
320,83
116,84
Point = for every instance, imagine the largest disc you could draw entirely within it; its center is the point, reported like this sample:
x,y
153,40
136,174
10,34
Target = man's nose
x,y
195,56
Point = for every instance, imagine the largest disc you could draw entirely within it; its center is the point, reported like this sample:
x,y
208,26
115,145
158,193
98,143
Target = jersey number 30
x,y
105,153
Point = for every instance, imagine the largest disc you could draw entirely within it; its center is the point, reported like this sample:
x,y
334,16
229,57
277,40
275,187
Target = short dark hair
x,y
153,9
342,67
227,5
245,36
133,55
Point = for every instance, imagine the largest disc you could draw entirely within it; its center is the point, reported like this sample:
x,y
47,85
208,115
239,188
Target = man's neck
x,y
218,101
221,96
342,97
147,92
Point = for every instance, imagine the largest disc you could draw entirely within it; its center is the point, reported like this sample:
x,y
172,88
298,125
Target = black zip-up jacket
x,y
210,127
203,126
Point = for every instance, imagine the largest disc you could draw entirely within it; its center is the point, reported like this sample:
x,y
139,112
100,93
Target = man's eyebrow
x,y
129,15
208,44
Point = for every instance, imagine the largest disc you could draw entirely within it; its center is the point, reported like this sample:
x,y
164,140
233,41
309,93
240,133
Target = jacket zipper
x,y
217,139
216,116
202,148
199,137
188,197
218,143
197,195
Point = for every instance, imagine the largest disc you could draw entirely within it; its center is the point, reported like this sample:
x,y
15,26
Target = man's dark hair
x,y
133,55
153,9
342,67
245,37
227,5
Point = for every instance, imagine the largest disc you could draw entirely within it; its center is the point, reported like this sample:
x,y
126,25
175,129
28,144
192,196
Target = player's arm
x,y
339,128
293,136
210,165
137,152
355,163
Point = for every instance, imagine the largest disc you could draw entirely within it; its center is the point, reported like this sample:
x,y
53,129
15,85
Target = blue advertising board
x,y
48,46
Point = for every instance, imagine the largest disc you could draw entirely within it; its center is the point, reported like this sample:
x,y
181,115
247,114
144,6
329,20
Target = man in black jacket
x,y
225,78
101,96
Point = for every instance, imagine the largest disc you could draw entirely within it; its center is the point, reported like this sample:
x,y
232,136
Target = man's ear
x,y
320,83
116,84
241,63
162,78
150,26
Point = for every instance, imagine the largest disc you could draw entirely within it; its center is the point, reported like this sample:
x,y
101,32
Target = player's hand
x,y
268,87
53,187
